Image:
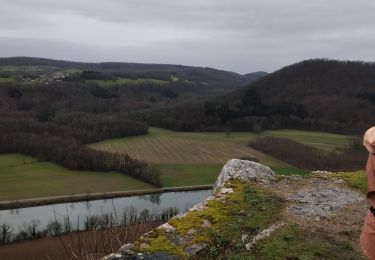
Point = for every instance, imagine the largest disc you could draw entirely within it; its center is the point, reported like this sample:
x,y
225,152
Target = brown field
x,y
167,147
186,158
84,244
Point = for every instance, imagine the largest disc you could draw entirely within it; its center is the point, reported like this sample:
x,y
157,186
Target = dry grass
x,y
168,147
79,246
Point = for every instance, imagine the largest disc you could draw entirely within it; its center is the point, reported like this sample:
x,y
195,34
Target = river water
x,y
78,211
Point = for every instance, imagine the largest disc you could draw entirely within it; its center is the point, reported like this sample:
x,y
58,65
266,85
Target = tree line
x,y
63,145
310,158
322,95
130,216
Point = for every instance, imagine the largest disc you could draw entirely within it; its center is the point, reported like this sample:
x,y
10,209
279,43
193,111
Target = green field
x,y
23,177
183,158
187,158
320,140
125,81
7,80
188,175
27,68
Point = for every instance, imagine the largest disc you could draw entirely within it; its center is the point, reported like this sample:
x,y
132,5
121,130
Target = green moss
x,y
246,210
356,180
162,244
250,210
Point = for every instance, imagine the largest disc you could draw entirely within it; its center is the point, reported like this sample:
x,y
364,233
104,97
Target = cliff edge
x,y
257,214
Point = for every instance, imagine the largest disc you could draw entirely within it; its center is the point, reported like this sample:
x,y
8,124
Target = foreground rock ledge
x,y
309,201
233,170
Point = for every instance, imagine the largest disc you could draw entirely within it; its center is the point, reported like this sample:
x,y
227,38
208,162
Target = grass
x,y
357,180
188,175
125,81
23,177
324,141
7,80
292,242
27,68
187,158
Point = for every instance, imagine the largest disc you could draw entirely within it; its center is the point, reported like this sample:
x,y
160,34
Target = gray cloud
x,y
241,35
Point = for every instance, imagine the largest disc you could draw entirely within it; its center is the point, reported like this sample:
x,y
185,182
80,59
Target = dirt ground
x,y
323,203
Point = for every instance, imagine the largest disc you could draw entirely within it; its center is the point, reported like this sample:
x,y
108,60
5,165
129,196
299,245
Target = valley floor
x,y
187,158
23,177
184,159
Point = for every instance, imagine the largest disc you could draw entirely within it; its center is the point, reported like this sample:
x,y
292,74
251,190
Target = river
x,y
77,212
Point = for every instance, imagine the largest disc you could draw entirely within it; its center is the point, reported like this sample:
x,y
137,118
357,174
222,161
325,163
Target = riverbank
x,y
96,243
14,204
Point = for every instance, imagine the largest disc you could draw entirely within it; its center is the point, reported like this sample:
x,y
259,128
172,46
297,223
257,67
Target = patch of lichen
x,y
246,210
255,210
162,244
157,241
216,212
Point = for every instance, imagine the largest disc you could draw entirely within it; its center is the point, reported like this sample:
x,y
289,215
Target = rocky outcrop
x,y
234,169
322,201
319,195
245,171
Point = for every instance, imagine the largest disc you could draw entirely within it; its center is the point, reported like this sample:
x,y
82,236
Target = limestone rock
x,y
126,249
244,238
193,249
198,207
322,199
192,231
226,190
112,256
167,227
244,170
234,169
264,234
321,173
143,246
206,223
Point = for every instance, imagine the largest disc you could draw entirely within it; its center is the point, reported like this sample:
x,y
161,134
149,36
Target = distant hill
x,y
326,95
340,95
251,77
204,74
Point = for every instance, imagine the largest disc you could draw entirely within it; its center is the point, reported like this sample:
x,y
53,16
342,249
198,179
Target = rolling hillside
x,y
324,95
205,74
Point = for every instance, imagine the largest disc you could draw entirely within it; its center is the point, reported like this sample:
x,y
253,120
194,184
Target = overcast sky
x,y
236,35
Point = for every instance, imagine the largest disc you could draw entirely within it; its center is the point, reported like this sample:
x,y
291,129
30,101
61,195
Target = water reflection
x,y
15,211
154,198
78,213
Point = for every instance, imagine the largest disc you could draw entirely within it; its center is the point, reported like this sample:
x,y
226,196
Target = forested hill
x,y
204,74
325,95
49,109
